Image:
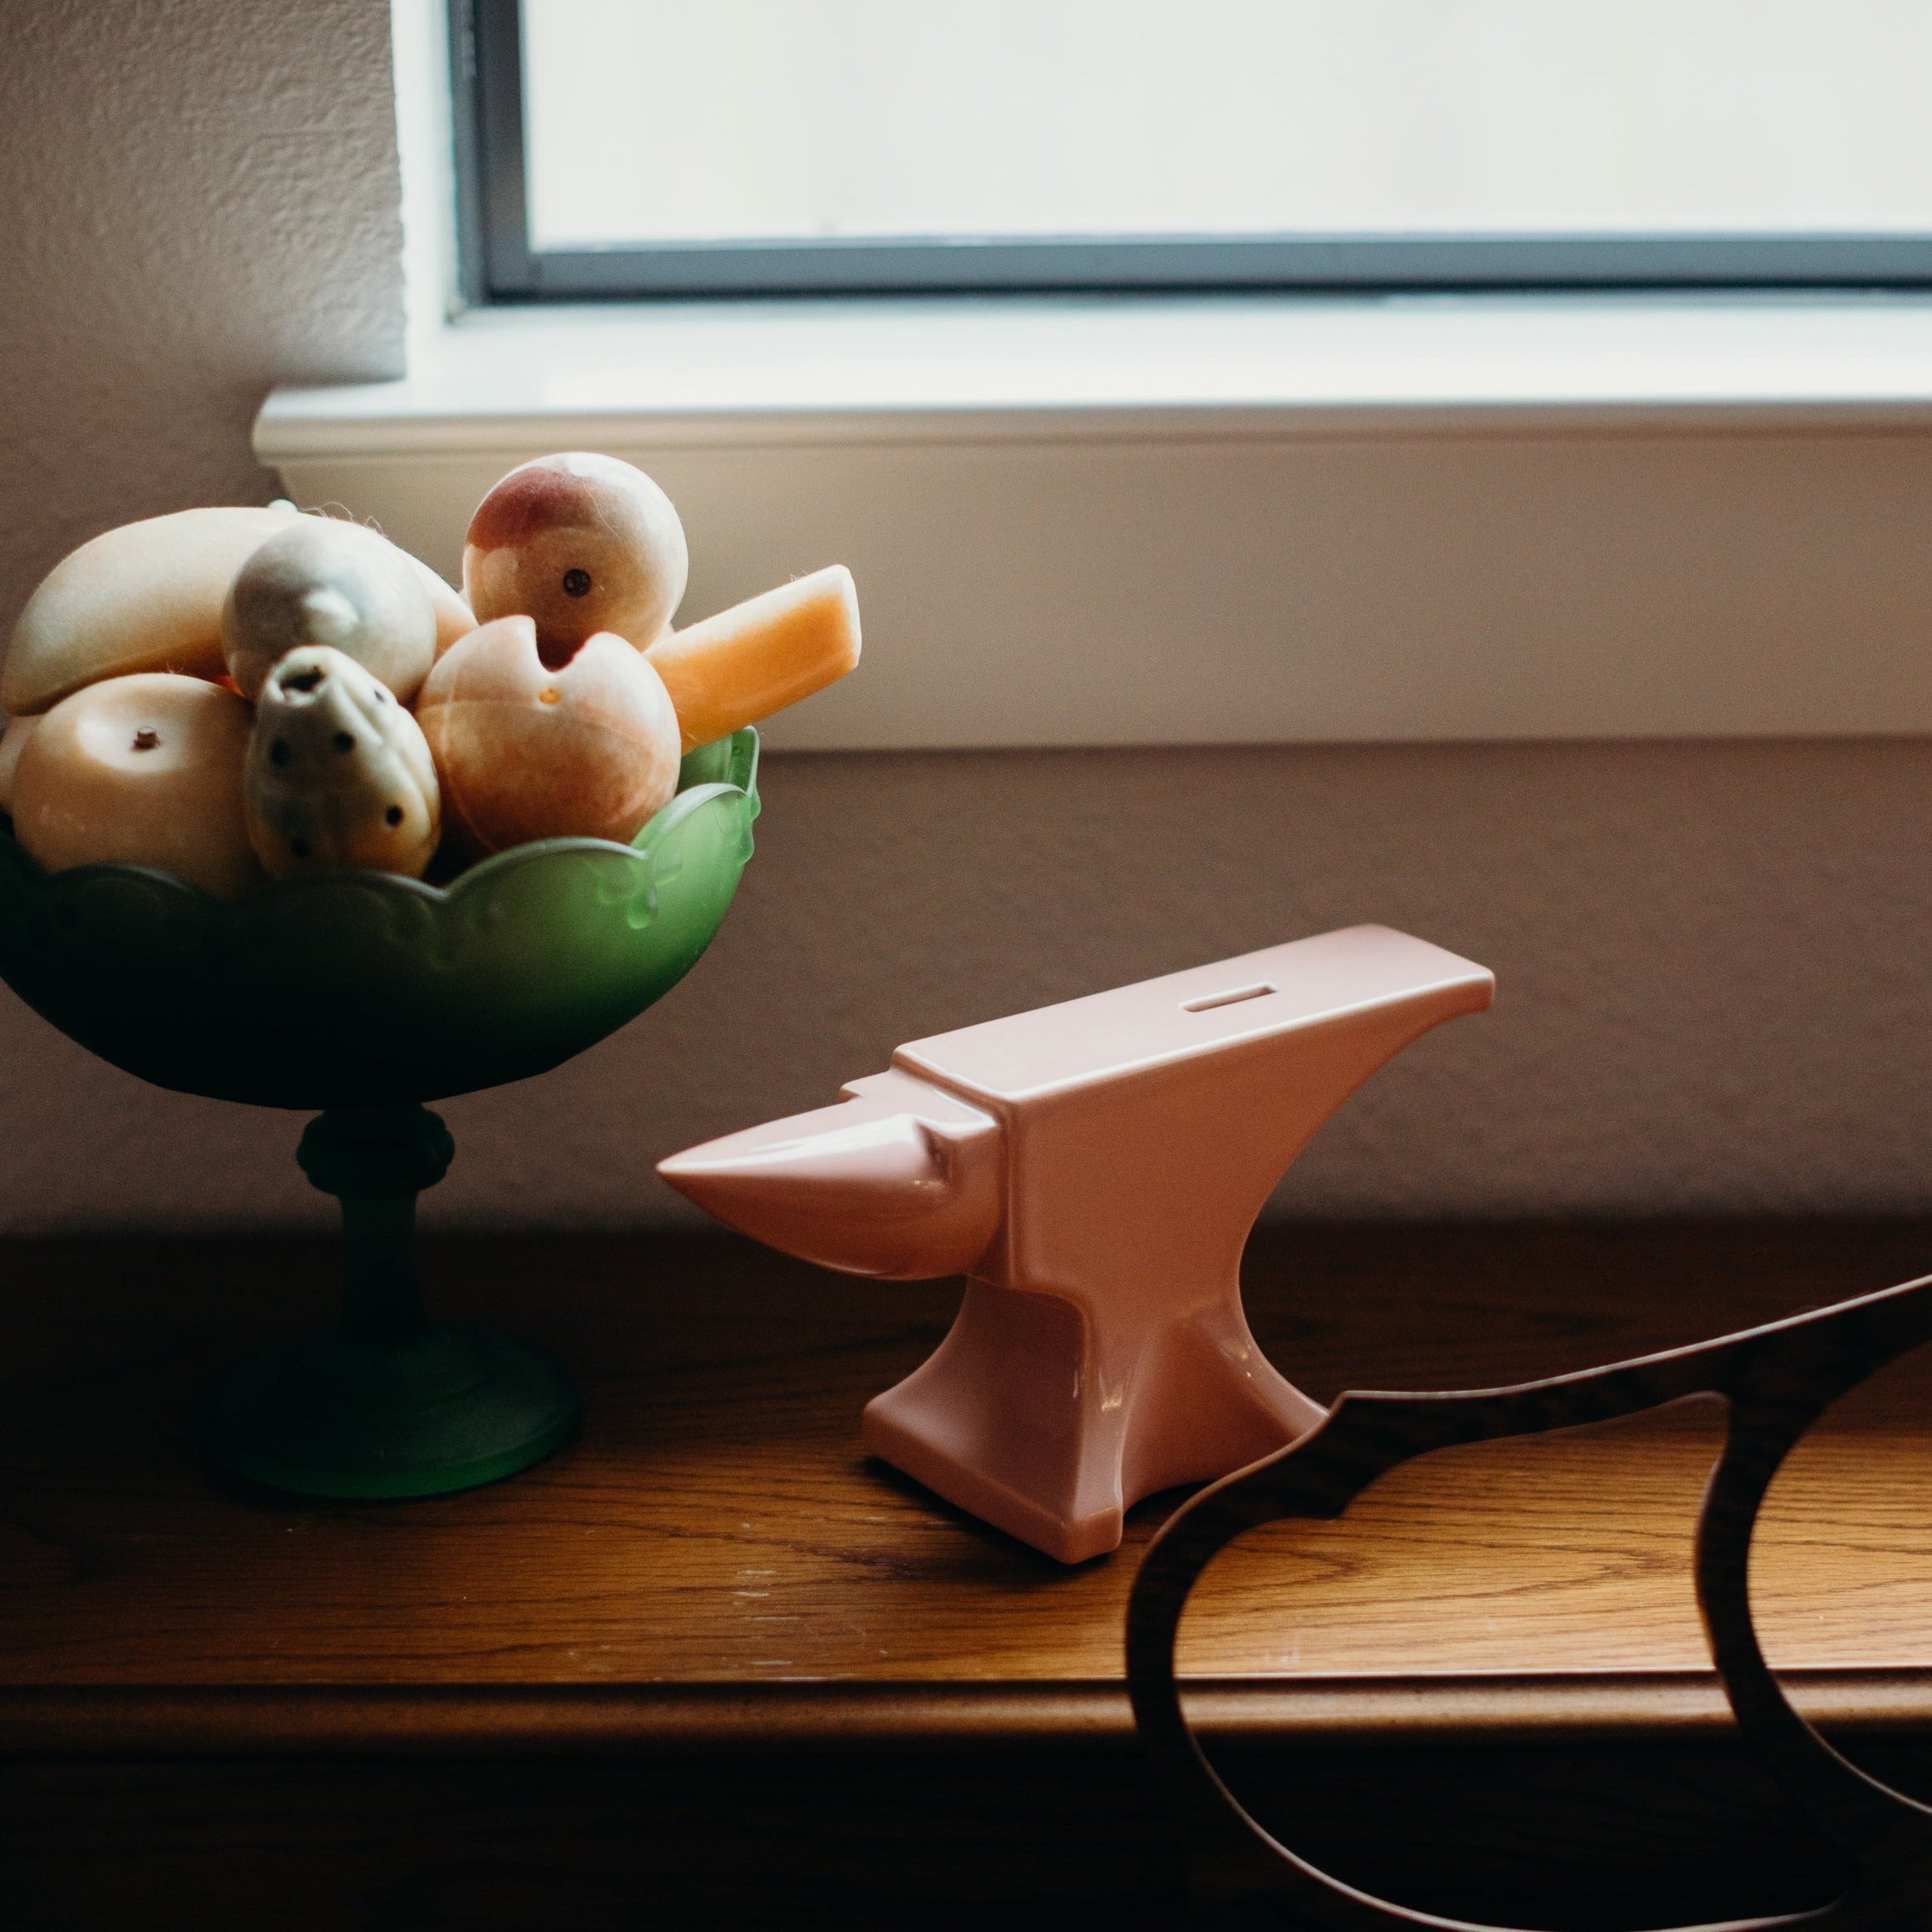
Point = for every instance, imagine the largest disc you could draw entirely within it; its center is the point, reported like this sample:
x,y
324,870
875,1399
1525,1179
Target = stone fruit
x,y
321,582
148,596
12,743
337,772
145,596
578,544
525,752
454,618
145,770
760,655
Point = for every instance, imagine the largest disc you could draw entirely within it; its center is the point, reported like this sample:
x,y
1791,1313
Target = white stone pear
x,y
342,584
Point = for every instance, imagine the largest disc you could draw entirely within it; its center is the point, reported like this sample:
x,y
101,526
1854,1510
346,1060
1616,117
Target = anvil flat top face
x,y
1208,1009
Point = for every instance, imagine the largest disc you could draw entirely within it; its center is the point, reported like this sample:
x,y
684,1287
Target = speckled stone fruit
x,y
524,752
338,774
140,771
578,544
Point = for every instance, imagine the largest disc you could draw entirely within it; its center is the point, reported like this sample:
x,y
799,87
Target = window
x,y
637,147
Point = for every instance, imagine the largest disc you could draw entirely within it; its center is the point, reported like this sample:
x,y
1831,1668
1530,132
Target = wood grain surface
x,y
711,1666
717,1521
717,1529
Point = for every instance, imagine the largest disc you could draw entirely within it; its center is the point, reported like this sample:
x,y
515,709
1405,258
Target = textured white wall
x,y
200,201
1714,959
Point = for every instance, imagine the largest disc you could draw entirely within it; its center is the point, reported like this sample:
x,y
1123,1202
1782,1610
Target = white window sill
x,y
1109,521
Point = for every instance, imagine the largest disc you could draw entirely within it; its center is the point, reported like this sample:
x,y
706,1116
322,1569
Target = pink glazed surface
x,y
1094,1169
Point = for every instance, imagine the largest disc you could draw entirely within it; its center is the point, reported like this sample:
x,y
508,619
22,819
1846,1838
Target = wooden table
x,y
711,1666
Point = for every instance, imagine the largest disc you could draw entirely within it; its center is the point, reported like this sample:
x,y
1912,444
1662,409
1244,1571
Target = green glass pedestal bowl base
x,y
364,995
455,1407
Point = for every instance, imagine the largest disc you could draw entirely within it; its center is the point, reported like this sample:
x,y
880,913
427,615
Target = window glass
x,y
669,122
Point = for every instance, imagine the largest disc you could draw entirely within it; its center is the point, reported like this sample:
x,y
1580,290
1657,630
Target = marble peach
x,y
579,544
145,770
588,749
454,617
12,743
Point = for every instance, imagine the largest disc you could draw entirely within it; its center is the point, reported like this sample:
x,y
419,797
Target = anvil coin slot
x,y
1234,998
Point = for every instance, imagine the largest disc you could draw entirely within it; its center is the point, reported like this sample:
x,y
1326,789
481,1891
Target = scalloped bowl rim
x,y
479,876
723,776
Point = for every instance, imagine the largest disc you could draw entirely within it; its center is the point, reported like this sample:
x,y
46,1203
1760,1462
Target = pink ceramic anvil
x,y
1094,1169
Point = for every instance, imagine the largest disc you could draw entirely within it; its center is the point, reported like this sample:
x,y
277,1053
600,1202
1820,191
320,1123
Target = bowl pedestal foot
x,y
389,1403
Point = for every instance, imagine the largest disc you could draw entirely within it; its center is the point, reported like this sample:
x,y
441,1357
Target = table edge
x,y
488,1720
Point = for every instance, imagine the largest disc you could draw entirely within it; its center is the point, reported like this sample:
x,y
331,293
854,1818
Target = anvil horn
x,y
1093,1168
899,1181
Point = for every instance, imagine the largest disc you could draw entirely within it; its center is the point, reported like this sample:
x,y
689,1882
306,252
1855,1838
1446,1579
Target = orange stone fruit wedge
x,y
760,655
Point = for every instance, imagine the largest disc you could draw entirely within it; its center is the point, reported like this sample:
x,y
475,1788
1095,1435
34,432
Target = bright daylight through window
x,y
660,128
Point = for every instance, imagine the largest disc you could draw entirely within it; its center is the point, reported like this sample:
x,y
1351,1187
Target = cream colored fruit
x,y
12,743
148,596
760,655
338,773
145,770
454,618
579,544
339,584
525,752
145,596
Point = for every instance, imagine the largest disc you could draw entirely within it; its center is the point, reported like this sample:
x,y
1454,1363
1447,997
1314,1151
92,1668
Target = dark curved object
x,y
1777,1382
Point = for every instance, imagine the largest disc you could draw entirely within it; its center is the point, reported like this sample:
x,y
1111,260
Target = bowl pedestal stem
x,y
389,1403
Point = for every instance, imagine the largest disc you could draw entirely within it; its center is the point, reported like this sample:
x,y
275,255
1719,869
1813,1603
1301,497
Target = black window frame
x,y
497,265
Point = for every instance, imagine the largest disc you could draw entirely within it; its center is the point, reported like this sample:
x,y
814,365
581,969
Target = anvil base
x,y
1017,1418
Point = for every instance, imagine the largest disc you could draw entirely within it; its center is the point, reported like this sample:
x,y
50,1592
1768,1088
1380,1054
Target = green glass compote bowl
x,y
364,995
